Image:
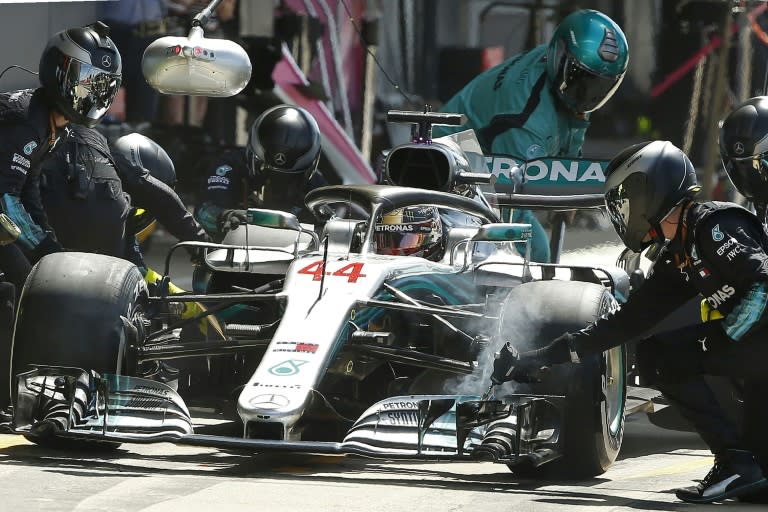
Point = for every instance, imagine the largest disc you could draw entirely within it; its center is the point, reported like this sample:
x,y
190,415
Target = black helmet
x,y
410,231
744,148
141,151
643,184
80,70
283,151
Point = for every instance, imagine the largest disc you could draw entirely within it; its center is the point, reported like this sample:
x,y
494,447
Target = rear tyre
x,y
70,315
535,313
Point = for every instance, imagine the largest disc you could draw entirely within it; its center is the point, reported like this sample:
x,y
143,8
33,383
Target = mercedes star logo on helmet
x,y
738,148
106,61
280,159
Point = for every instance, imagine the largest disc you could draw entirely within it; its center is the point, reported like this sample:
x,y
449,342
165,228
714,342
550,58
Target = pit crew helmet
x,y
744,148
283,151
643,184
410,231
586,60
144,153
80,71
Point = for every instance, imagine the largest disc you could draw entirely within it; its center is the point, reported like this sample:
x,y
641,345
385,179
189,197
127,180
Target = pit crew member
x,y
275,170
93,194
80,72
714,249
538,104
744,150
83,194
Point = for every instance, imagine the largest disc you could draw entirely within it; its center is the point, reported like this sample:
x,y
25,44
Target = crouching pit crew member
x,y
715,249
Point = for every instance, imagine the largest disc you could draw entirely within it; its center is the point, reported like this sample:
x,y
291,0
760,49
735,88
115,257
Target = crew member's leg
x,y
677,361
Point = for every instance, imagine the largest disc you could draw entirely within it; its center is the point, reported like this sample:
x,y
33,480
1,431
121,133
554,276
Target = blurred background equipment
x,y
353,60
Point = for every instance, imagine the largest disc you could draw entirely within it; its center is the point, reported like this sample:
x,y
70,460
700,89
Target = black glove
x,y
197,254
231,219
523,367
47,245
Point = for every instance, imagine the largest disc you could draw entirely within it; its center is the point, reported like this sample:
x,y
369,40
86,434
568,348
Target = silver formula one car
x,y
328,346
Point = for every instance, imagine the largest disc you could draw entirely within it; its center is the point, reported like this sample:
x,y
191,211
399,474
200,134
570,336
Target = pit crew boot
x,y
736,473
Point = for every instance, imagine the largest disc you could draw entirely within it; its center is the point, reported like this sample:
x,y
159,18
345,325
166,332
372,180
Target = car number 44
x,y
352,271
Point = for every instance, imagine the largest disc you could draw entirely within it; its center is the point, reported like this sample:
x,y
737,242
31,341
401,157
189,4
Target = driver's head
x,y
643,185
744,148
283,151
410,231
80,71
586,60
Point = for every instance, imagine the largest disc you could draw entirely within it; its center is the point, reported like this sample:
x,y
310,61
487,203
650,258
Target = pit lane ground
x,y
165,477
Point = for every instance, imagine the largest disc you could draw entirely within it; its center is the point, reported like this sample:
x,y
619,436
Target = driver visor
x,y
89,89
584,90
402,239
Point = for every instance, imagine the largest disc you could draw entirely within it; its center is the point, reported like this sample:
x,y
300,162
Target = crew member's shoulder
x,y
231,159
718,220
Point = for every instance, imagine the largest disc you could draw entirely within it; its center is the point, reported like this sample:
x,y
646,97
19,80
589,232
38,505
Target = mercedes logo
x,y
738,148
106,61
269,401
280,159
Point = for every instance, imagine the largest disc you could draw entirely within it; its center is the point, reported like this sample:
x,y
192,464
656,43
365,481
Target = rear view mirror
x,y
273,219
196,66
503,232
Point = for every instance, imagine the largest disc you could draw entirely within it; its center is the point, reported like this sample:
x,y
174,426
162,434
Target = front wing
x,y
77,404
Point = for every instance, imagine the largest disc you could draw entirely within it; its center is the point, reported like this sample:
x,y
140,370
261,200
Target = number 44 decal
x,y
352,272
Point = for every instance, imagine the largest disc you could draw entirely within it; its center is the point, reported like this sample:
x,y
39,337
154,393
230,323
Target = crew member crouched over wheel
x,y
714,249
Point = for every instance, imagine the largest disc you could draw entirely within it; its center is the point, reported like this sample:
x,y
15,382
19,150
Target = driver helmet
x,y
586,60
410,231
744,148
283,151
80,71
643,184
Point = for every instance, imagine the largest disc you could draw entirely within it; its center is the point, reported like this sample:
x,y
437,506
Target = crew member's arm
x,y
732,242
224,190
159,199
660,295
19,189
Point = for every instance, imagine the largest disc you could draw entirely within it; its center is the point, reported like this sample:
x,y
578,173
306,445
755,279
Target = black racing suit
x,y
90,195
228,185
27,137
720,253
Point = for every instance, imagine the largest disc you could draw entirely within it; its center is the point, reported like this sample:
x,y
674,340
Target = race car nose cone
x,y
269,401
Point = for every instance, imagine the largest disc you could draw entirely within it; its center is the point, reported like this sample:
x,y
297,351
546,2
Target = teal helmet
x,y
586,60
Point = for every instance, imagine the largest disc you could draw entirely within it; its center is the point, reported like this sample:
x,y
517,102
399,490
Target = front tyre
x,y
70,313
535,313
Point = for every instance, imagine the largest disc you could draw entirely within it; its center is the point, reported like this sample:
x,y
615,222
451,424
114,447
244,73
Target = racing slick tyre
x,y
532,315
70,315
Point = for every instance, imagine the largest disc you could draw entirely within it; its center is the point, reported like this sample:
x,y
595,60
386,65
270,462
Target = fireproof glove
x,y
47,245
231,219
197,254
504,364
524,366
